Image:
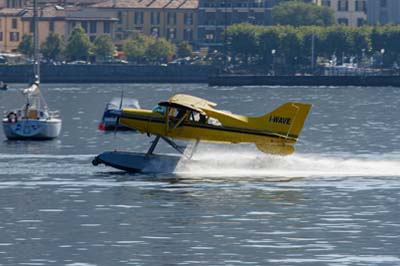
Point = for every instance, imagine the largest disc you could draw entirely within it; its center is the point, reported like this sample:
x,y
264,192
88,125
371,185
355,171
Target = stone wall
x,y
107,73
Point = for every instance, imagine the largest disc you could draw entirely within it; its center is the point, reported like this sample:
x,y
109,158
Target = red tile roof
x,y
11,11
156,4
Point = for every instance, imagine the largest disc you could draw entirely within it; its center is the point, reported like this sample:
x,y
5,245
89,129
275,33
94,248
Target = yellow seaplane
x,y
187,117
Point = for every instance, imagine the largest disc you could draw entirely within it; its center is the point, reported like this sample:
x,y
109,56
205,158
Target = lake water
x,y
336,201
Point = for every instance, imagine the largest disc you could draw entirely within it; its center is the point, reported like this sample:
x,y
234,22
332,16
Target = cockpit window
x,y
160,109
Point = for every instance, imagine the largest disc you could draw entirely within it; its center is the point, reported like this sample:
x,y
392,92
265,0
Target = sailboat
x,y
34,121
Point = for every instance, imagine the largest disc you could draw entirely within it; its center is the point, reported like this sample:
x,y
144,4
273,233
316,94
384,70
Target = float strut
x,y
153,146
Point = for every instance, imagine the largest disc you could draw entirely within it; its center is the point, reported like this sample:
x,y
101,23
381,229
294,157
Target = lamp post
x,y
273,52
312,52
382,53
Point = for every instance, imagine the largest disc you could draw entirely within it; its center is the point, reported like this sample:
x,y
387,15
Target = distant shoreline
x,y
179,74
107,74
258,80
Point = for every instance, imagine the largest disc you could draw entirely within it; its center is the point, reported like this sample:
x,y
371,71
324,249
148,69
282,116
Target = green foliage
x,y
243,39
184,49
292,46
298,13
269,43
26,45
337,40
104,46
160,50
52,48
135,48
79,46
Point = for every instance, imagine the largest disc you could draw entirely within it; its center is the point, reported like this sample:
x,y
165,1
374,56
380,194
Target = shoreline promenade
x,y
109,73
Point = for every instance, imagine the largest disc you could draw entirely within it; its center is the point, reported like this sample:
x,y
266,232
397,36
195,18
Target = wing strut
x,y
174,145
171,143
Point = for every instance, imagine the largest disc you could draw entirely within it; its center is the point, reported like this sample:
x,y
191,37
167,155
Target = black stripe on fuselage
x,y
207,126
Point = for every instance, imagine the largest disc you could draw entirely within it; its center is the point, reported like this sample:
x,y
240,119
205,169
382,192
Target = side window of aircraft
x,y
159,109
197,117
180,113
213,121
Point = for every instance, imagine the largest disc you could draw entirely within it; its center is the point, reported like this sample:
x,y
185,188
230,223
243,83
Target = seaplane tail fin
x,y
286,121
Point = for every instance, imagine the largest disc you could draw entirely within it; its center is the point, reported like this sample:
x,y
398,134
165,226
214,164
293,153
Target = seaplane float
x,y
189,118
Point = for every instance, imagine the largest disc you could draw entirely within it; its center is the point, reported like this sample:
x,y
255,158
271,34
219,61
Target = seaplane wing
x,y
191,118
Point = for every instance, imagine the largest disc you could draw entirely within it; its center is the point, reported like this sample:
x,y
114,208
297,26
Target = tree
x,y
337,41
184,49
26,45
104,46
244,40
362,40
135,48
79,46
160,50
269,43
296,13
53,47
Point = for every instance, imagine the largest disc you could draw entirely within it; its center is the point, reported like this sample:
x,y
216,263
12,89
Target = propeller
x,y
118,113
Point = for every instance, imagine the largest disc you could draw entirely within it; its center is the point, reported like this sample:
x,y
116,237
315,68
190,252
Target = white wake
x,y
253,164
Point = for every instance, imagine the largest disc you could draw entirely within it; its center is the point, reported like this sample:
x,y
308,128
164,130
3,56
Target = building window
x,y
343,21
93,26
107,27
14,36
360,22
361,6
209,37
343,5
92,38
155,32
1,36
188,34
171,18
383,3
84,25
119,17
14,23
155,18
138,18
171,34
31,26
188,19
383,17
326,2
51,26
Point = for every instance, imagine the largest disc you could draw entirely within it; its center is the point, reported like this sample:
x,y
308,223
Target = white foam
x,y
253,164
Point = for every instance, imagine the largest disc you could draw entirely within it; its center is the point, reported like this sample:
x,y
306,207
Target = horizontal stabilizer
x,y
275,149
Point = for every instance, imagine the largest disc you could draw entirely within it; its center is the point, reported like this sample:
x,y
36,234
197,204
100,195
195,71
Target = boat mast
x,y
36,66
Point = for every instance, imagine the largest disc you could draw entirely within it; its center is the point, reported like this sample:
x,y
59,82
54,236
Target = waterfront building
x,y
383,12
173,20
11,28
347,12
12,3
51,19
94,23
215,15
14,23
